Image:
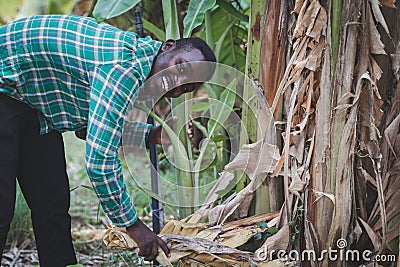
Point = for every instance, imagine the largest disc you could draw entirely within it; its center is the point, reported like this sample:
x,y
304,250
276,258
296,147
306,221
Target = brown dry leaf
x,y
376,74
391,132
393,187
311,21
299,63
237,238
238,207
344,101
279,165
322,194
315,57
298,67
251,221
389,3
240,204
297,186
118,238
375,239
300,44
210,233
297,149
298,5
168,227
214,214
222,183
176,227
200,246
300,28
378,15
319,22
255,159
305,22
194,218
278,241
301,126
367,176
183,248
375,43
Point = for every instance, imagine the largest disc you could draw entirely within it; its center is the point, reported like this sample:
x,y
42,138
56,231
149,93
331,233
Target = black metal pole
x,y
156,206
137,14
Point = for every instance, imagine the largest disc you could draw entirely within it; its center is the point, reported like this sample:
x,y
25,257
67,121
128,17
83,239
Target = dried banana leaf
x,y
199,244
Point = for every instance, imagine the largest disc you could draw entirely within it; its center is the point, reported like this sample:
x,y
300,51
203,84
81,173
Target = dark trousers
x,y
38,162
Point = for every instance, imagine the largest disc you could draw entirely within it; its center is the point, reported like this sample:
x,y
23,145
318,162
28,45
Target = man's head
x,y
178,67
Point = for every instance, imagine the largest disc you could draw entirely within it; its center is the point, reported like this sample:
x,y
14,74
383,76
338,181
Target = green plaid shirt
x,y
78,73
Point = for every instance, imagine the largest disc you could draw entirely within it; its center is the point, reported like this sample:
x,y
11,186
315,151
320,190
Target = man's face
x,y
174,71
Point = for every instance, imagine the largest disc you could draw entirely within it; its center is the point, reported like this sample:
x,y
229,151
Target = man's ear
x,y
168,45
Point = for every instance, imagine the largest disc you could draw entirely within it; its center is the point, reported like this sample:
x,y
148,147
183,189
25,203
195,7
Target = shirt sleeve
x,y
112,89
136,134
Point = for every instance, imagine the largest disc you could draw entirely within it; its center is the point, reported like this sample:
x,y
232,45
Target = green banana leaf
x,y
106,9
195,15
222,108
227,6
150,27
170,19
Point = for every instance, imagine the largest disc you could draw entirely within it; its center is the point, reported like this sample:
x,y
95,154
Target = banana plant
x,y
194,17
227,51
184,178
229,30
222,109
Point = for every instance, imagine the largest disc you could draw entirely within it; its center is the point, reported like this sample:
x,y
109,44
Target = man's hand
x,y
147,241
157,136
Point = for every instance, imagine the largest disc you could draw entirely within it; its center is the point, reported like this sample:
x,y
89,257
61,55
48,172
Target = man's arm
x,y
141,134
112,87
136,134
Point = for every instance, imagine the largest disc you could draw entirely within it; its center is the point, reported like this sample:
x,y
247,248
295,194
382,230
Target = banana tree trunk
x,y
249,129
341,143
272,67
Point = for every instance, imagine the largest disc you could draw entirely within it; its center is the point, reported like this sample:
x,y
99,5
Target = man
x,y
65,73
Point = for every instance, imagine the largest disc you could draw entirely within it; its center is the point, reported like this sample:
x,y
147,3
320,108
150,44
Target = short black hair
x,y
188,44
